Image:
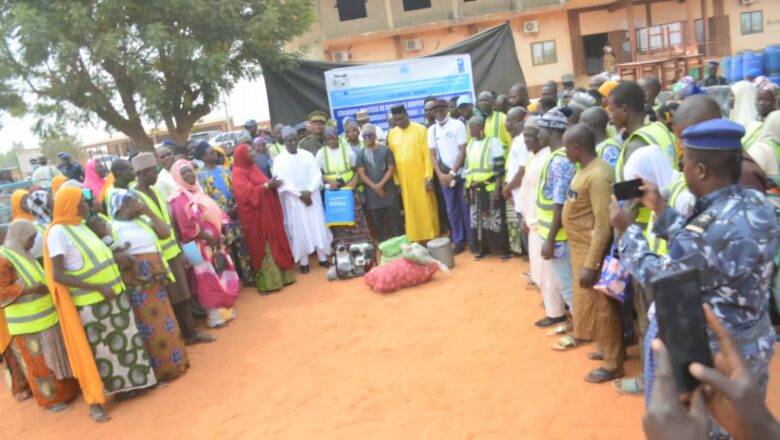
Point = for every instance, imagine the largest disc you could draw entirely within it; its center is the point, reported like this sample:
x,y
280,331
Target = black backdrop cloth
x,y
293,94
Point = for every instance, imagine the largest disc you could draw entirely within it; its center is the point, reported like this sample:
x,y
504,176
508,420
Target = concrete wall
x,y
380,37
597,22
552,26
771,34
439,10
328,15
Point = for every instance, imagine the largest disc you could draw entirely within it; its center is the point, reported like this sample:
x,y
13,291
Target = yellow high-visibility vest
x,y
168,247
751,135
659,245
544,206
478,168
654,133
330,171
29,313
99,267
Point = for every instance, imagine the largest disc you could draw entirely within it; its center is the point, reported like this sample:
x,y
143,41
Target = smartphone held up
x,y
629,189
682,325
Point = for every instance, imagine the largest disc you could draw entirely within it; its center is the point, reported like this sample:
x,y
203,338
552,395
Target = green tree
x,y
52,146
130,61
8,159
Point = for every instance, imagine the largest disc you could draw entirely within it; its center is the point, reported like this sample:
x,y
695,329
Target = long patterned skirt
x,y
119,349
14,375
155,319
359,228
270,277
488,213
234,239
45,364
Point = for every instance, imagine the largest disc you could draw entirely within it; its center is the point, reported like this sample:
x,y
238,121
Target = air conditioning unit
x,y
531,27
413,44
340,56
747,2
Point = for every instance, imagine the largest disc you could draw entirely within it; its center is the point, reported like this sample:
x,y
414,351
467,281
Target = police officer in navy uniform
x,y
731,238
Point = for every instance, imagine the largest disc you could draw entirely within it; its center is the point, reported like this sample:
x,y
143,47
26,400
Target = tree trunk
x,y
140,138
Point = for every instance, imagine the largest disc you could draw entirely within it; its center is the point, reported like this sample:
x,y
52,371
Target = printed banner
x,y
377,87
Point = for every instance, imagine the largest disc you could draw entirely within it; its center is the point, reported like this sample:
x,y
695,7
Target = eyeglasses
x,y
368,135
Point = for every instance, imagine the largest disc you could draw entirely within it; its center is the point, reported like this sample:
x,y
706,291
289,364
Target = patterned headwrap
x,y
118,197
554,120
686,87
260,139
763,83
37,203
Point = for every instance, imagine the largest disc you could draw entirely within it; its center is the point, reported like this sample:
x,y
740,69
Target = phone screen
x,y
628,189
681,324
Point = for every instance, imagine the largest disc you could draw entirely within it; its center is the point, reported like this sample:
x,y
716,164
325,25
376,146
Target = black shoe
x,y
324,264
549,322
473,249
305,269
480,255
506,257
459,248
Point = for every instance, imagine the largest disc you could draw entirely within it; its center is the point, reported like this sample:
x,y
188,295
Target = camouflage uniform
x,y
732,238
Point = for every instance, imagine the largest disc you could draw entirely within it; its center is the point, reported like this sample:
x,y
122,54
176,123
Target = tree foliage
x,y
52,146
8,159
130,61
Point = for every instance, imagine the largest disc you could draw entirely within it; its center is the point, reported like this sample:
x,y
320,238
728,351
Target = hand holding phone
x,y
681,324
629,189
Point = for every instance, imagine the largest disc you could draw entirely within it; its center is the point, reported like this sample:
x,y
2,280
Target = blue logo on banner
x,y
461,67
404,68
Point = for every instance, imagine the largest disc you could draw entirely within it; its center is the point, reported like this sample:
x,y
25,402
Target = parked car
x,y
227,140
205,136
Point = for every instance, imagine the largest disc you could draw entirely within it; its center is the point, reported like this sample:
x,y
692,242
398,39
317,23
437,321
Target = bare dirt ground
x,y
457,358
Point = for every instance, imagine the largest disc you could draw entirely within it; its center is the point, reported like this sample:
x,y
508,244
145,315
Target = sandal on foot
x,y
201,338
60,407
560,330
599,356
567,343
98,414
602,375
633,386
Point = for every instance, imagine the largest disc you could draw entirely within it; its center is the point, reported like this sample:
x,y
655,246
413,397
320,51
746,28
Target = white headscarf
x,y
650,163
744,111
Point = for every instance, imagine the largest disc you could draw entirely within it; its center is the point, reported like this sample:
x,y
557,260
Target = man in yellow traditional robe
x,y
409,143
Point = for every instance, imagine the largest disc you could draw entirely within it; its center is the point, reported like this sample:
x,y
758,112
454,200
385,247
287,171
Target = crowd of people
x,y
102,274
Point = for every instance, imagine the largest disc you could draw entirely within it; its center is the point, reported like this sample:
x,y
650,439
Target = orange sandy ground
x,y
457,358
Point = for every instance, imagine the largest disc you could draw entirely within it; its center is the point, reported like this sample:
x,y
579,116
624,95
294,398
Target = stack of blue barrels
x,y
772,63
753,63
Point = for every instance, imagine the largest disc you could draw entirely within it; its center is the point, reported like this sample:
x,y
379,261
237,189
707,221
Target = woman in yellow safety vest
x,y
338,160
148,292
90,297
484,171
36,338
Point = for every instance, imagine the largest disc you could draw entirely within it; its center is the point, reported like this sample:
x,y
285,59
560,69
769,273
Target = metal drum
x,y
441,249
